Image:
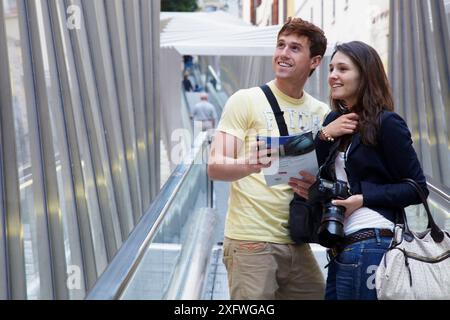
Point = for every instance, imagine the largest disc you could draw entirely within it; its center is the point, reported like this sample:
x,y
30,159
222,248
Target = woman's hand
x,y
345,124
351,204
301,186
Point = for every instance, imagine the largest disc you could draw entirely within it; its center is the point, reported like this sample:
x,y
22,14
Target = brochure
x,y
296,153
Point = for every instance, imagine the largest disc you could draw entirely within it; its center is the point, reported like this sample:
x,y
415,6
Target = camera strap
x,y
329,162
279,115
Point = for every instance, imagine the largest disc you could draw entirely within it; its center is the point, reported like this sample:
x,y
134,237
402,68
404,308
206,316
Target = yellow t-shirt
x,y
257,212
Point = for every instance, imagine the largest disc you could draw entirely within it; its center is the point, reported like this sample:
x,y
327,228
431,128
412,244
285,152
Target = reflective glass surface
x,y
24,163
161,264
417,216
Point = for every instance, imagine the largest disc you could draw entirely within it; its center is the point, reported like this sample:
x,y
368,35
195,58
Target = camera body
x,y
328,190
331,229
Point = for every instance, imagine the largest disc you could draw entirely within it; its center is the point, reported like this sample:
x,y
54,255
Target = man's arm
x,y
223,163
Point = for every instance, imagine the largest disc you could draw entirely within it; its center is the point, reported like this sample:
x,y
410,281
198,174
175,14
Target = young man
x,y
261,260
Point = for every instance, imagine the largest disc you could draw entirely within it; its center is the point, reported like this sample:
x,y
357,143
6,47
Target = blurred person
x,y
262,261
205,113
188,61
187,84
198,88
373,153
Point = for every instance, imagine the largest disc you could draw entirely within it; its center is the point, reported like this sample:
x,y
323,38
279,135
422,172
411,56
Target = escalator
x,y
167,254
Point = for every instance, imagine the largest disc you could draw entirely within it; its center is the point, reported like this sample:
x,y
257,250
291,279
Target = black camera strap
x,y
279,115
329,162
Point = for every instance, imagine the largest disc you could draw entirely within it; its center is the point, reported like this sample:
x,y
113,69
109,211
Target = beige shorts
x,y
263,270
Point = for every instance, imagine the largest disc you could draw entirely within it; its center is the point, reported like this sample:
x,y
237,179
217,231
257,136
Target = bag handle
x,y
436,232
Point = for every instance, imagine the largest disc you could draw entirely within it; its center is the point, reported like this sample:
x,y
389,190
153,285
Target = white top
x,y
362,218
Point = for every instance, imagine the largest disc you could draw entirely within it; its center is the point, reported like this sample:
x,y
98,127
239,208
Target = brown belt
x,y
366,234
356,237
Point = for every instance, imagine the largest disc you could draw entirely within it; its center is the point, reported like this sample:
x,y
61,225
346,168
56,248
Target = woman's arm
x,y
334,126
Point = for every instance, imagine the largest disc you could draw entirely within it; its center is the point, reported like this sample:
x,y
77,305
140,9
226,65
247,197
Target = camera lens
x,y
331,230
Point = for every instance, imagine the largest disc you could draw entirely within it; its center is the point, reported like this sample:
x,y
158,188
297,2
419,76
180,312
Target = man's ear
x,y
315,61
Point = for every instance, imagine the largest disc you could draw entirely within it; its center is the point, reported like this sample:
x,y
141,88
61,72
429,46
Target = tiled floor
x,y
216,286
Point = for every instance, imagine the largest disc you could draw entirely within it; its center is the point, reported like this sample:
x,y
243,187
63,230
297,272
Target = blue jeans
x,y
351,275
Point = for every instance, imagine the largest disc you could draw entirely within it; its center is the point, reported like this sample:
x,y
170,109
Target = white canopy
x,y
215,34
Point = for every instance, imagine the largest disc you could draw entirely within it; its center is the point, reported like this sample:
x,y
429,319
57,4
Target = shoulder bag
x,y
417,264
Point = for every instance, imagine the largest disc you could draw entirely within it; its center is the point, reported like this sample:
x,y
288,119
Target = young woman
x,y
374,153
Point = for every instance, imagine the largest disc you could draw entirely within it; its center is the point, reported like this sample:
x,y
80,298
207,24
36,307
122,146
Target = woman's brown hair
x,y
374,93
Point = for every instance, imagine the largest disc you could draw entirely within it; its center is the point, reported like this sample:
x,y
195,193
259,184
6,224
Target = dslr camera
x,y
331,228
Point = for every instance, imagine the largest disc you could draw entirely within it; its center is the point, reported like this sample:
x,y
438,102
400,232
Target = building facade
x,y
265,12
347,20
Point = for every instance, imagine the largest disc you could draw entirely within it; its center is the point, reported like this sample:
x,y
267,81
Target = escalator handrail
x,y
436,191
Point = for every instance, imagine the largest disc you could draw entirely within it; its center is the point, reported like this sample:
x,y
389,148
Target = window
x,y
447,10
334,12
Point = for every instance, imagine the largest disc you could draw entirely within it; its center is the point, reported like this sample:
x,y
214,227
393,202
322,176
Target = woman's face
x,y
344,79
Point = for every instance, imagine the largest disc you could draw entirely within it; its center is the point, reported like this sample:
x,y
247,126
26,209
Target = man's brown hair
x,y
300,27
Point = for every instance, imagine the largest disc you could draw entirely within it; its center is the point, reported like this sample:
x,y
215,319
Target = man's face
x,y
292,60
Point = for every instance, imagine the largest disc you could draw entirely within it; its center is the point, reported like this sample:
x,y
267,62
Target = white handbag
x,y
417,264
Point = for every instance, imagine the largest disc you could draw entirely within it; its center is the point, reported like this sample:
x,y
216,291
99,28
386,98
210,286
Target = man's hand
x,y
301,186
260,157
351,204
345,124
226,163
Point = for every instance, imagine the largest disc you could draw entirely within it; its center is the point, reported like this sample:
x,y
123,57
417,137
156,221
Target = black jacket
x,y
376,171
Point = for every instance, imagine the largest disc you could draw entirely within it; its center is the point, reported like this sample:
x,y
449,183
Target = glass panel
x,y
58,131
27,207
81,169
161,261
417,216
71,227
447,10
98,192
